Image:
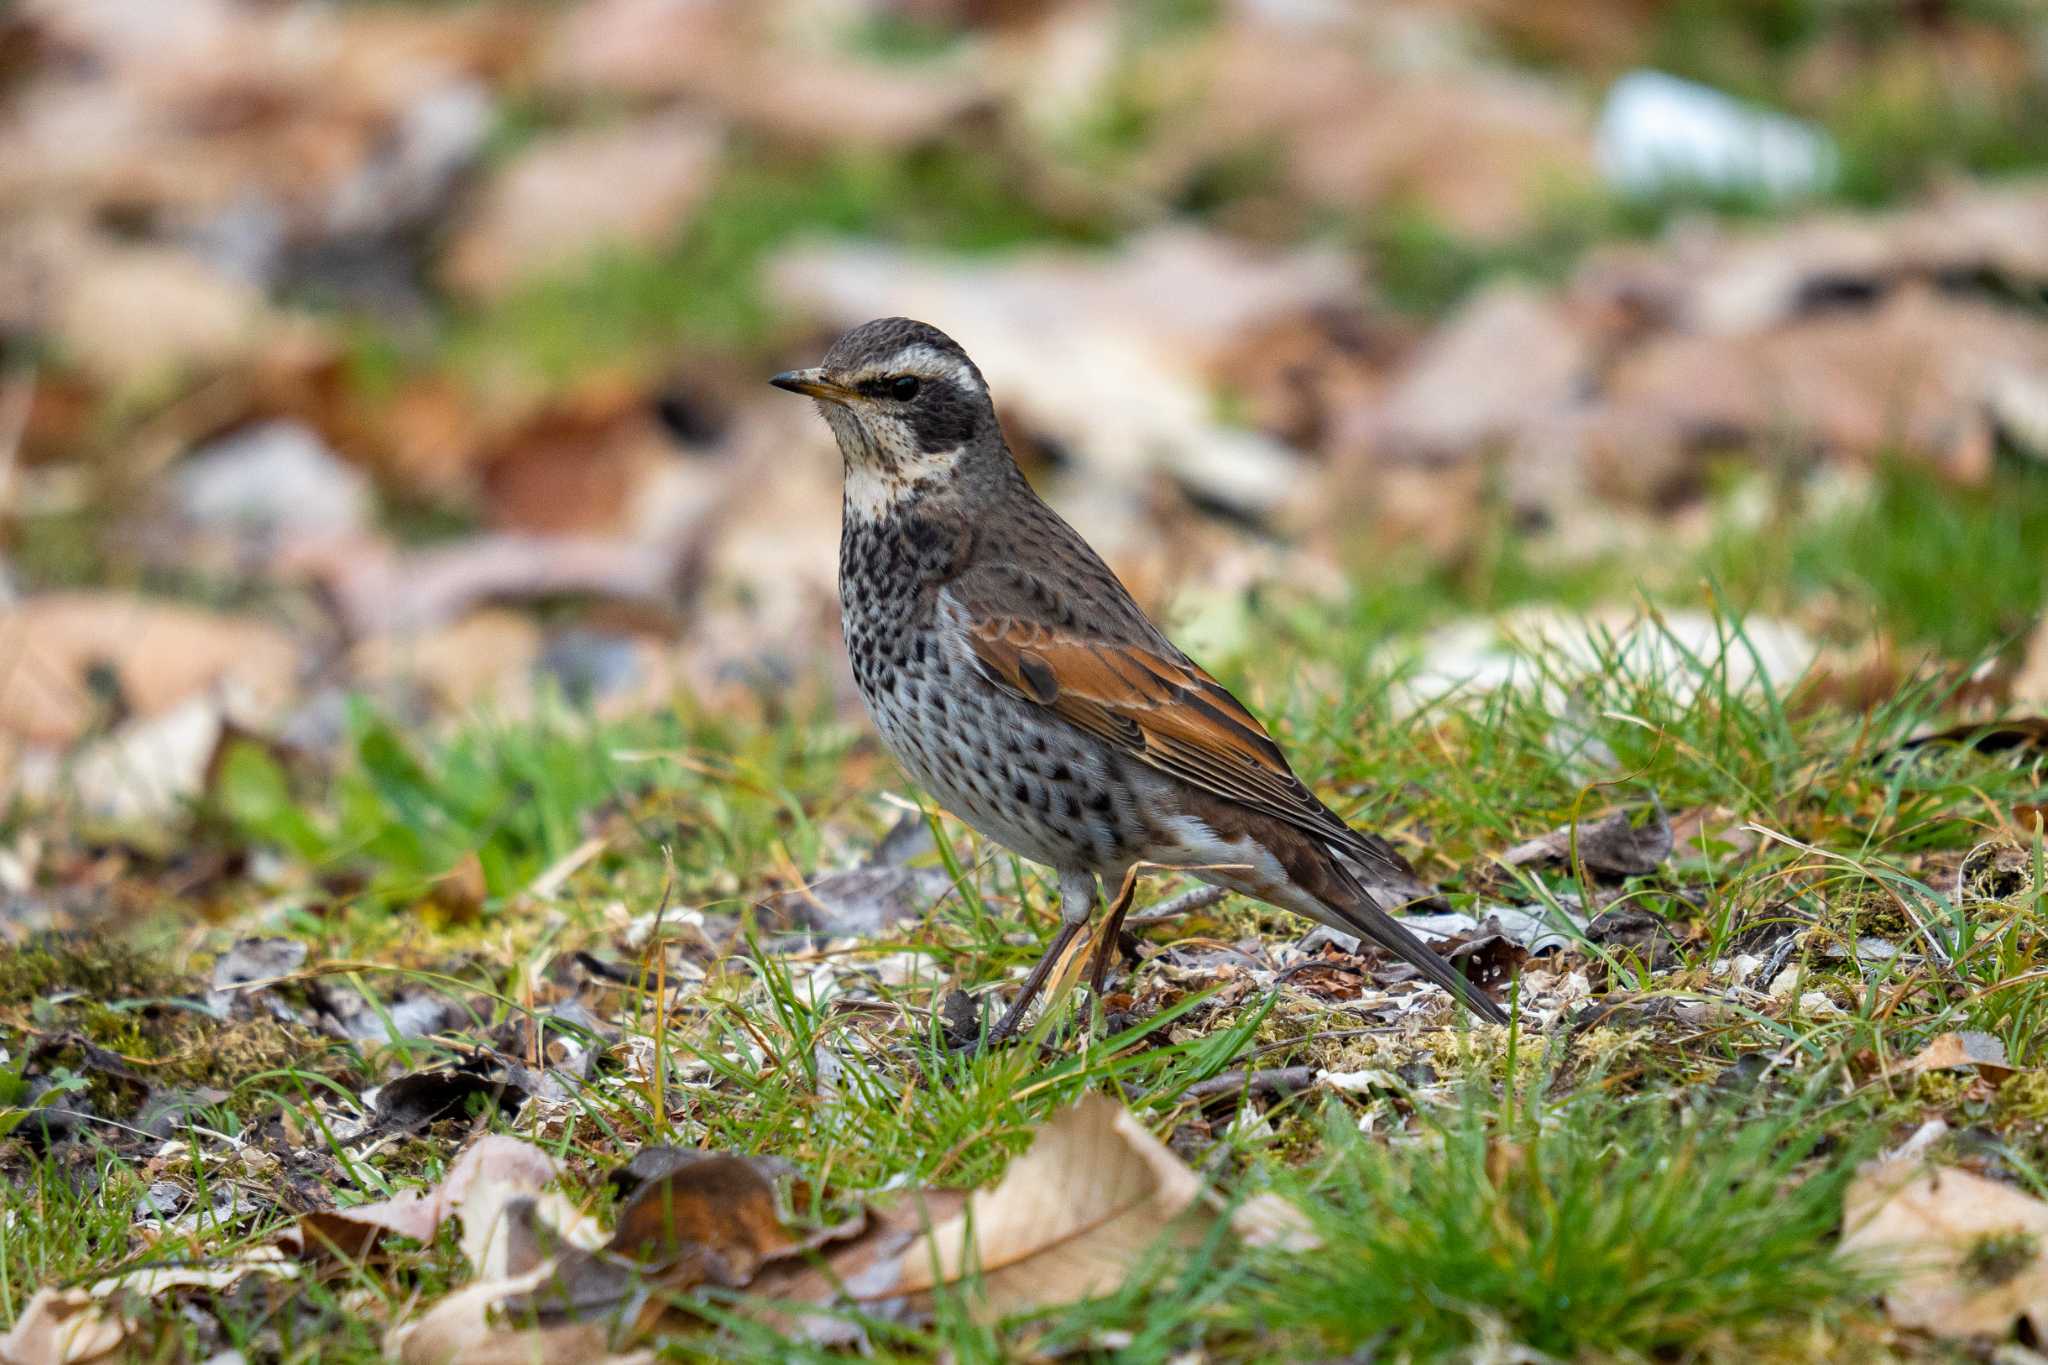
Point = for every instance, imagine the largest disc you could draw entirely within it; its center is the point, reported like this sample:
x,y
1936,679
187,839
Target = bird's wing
x,y
1151,702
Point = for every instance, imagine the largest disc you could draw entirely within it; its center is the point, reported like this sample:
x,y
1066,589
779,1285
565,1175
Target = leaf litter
x,y
517,456
1076,1216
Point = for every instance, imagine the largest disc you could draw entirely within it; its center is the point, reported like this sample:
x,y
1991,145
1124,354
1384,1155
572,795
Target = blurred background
x,y
416,350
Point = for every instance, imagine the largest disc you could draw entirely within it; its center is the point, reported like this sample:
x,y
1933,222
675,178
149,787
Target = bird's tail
x,y
1358,910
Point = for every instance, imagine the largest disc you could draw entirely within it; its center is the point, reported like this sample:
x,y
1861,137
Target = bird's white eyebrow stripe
x,y
929,361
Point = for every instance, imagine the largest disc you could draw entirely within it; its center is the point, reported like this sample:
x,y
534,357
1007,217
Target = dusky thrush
x,y
1015,678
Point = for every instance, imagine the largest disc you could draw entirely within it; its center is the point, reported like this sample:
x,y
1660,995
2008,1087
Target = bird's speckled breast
x,y
1018,776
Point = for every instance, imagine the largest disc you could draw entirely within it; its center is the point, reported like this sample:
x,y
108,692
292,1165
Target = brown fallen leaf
x,y
547,1293
572,194
64,1327
725,58
1073,1217
79,659
1969,1050
1972,1254
91,1322
1614,846
495,1162
708,1217
804,1298
458,1330
1432,414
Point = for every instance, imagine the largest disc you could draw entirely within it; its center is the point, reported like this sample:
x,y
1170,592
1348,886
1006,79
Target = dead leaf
x,y
797,1296
1915,372
64,1327
379,589
77,659
1434,413
458,1330
143,772
569,194
1968,1050
597,461
1972,1254
1072,1217
138,315
864,901
71,1326
494,1162
1473,146
1614,846
488,654
1489,960
709,1217
727,58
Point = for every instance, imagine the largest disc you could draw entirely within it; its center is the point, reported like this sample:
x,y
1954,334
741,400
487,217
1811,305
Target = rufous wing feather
x,y
1165,711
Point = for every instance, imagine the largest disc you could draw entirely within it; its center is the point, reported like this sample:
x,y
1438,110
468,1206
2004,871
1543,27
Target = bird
x,y
1015,678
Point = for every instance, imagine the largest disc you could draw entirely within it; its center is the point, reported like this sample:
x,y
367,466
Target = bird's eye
x,y
903,387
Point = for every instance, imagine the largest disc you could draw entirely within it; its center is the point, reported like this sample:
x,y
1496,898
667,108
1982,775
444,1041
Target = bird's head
x,y
910,410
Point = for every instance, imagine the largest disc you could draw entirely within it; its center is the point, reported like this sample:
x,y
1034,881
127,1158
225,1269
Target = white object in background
x,y
1658,132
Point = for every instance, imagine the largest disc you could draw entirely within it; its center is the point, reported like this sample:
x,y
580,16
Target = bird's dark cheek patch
x,y
944,417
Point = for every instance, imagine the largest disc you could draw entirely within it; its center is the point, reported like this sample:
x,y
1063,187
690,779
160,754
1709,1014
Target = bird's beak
x,y
813,384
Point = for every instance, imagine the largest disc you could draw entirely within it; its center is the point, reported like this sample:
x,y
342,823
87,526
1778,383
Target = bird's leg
x,y
1077,900
1105,946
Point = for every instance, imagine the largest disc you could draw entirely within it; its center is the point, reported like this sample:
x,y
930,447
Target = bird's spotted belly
x,y
1016,776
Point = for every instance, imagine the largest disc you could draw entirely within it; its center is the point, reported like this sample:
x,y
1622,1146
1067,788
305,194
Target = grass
x,y
1512,1184
1649,1185
1599,1230
1515,1187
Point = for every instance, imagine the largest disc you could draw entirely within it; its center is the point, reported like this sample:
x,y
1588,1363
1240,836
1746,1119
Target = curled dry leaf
x,y
1073,1217
1971,1254
494,1166
458,1331
64,1326
1968,1050
90,1322
705,1217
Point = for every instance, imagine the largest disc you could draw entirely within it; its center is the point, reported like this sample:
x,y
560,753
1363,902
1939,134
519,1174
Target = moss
x,y
1866,913
1477,1055
2025,1097
51,964
1941,1089
1616,1051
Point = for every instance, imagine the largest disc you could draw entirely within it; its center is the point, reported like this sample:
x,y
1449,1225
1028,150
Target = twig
x,y
1186,903
1276,1080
